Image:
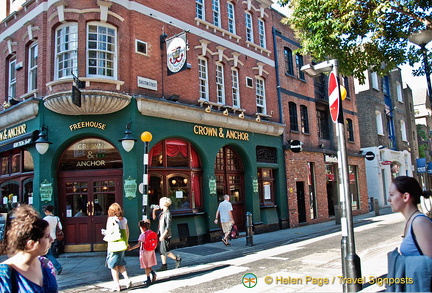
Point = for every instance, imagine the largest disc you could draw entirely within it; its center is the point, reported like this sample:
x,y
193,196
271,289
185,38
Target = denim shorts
x,y
115,259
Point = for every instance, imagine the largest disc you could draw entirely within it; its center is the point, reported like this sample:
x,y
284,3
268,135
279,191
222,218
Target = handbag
x,y
59,232
113,232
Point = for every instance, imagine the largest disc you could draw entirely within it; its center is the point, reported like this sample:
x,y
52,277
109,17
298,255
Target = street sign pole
x,y
350,260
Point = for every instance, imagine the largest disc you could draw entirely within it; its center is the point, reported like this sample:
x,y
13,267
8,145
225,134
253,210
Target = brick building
x,y
387,129
214,117
312,174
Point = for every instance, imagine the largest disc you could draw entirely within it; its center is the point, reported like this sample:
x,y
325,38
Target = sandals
x,y
225,241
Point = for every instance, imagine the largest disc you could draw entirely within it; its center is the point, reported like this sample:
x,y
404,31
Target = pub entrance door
x,y
84,201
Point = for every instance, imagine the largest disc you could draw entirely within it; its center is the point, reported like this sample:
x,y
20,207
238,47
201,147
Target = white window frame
x,y
379,123
66,52
12,78
33,66
231,18
220,83
374,81
216,13
106,51
235,87
403,131
203,78
249,27
399,92
261,33
199,9
260,95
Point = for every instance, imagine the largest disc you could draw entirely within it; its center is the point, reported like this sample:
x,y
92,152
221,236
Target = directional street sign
x,y
333,93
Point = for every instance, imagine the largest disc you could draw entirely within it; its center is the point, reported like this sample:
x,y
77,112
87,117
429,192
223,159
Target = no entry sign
x,y
333,93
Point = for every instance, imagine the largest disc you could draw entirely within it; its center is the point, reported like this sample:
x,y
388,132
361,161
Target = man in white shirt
x,y
53,222
226,218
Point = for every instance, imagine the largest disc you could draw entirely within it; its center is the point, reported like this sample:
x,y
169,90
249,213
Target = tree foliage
x,y
361,34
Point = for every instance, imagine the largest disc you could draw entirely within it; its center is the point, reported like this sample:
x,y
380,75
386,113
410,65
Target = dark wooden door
x,y
84,198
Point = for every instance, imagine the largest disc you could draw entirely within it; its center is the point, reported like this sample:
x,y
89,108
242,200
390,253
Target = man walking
x,y
226,218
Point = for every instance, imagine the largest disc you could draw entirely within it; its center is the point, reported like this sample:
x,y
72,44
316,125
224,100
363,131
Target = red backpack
x,y
150,241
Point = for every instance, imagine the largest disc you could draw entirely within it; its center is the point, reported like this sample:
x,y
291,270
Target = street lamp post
x,y
422,38
146,137
350,260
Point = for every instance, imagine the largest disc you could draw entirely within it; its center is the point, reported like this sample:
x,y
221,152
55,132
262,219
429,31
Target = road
x,y
311,265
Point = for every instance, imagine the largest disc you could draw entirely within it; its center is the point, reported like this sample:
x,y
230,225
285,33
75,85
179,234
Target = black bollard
x,y
249,231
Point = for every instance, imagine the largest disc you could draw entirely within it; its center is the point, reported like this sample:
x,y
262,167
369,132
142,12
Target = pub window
x,y
323,124
299,63
12,79
101,50
231,18
289,66
66,42
293,116
304,117
350,130
32,67
174,172
216,15
266,186
199,8
249,28
16,161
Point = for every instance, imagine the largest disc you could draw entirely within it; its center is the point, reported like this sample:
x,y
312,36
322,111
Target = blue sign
x,y
429,170
421,165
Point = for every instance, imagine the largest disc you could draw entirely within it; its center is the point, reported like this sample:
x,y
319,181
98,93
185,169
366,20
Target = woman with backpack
x,y
147,242
116,247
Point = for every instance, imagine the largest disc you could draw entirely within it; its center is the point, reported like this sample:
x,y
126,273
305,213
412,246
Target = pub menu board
x,y
3,222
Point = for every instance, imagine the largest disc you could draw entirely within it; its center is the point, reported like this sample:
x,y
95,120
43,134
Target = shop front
x,y
192,161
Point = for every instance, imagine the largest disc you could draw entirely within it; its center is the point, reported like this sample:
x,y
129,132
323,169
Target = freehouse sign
x,y
220,132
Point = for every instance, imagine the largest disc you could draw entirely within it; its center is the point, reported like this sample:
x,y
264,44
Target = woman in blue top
x,y
404,197
28,238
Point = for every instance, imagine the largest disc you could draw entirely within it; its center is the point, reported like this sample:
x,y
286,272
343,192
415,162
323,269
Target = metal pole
x,y
351,261
427,72
249,231
145,182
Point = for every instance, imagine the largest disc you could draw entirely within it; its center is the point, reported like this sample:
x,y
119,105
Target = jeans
x,y
50,256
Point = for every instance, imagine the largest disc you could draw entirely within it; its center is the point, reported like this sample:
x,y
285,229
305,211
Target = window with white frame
x,y
66,43
32,67
216,16
374,81
199,7
235,88
220,87
403,131
203,78
101,50
231,18
261,33
399,92
249,28
379,123
260,96
12,78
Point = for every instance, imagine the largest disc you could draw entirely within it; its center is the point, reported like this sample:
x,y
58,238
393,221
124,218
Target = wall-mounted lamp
x,y
258,119
208,109
42,143
128,141
225,112
241,115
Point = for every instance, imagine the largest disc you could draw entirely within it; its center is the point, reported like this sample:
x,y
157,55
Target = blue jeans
x,y
50,256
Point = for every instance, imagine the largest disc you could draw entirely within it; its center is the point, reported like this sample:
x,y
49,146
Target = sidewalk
x,y
84,271
88,269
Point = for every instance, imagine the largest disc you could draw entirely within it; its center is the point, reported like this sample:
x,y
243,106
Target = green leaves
x,y
361,34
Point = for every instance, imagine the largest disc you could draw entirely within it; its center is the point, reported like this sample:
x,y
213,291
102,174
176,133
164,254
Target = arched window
x,y
175,172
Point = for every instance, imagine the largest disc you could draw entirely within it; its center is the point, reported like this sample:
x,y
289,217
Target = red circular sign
x,y
333,93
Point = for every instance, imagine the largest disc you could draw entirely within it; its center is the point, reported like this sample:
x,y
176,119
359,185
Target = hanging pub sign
x,y
176,53
46,191
421,165
429,168
130,187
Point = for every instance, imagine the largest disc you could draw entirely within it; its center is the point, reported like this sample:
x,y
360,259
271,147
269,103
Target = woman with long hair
x,y
27,240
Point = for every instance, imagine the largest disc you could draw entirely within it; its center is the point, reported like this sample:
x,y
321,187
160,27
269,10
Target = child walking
x,y
147,257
